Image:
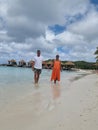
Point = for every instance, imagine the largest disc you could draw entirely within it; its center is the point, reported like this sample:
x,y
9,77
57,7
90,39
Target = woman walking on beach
x,y
56,69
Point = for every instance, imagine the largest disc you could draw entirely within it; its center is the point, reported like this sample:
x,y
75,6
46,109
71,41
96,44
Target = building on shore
x,y
12,63
22,63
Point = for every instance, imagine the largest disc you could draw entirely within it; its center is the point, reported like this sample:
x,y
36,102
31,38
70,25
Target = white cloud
x,y
24,29
87,27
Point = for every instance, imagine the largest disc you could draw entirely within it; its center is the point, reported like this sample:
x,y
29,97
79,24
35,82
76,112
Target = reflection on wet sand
x,y
36,85
54,99
56,90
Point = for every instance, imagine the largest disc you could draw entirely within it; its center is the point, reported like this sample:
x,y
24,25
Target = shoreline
x,y
76,108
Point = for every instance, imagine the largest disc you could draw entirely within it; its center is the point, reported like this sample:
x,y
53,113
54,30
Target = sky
x,y
65,27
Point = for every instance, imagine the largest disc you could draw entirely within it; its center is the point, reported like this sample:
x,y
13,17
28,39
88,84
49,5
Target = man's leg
x,y
37,74
38,77
35,77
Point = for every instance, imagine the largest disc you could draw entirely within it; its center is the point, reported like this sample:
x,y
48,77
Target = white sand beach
x,y
55,108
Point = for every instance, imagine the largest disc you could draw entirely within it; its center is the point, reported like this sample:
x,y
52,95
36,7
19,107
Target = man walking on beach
x,y
37,66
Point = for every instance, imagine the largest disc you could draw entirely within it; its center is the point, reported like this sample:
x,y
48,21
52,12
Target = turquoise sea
x,y
15,82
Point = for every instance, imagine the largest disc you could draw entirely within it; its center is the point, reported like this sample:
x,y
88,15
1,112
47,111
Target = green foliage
x,y
84,65
81,64
96,52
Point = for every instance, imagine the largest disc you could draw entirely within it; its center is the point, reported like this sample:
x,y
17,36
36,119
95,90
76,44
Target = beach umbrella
x,y
13,62
69,63
22,62
62,63
30,63
49,62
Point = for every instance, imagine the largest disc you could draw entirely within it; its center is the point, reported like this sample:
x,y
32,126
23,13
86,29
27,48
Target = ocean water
x,y
15,82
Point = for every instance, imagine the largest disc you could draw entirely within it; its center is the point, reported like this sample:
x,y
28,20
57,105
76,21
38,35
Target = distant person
x,y
37,66
56,69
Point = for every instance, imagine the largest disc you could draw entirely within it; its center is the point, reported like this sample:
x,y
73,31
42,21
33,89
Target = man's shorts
x,y
37,71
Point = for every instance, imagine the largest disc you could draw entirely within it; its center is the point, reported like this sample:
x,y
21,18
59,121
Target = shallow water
x,y
17,82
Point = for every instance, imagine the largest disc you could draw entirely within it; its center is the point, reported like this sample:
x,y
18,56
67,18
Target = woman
x,y
56,69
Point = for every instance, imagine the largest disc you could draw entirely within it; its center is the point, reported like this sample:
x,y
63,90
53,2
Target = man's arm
x,y
45,64
52,64
33,63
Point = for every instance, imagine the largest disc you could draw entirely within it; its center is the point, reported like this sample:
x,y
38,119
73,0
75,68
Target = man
x,y
37,66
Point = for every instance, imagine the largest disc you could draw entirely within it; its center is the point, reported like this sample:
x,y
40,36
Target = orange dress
x,y
56,70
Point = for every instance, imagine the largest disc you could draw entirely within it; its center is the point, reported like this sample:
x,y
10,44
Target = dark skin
x,y
57,58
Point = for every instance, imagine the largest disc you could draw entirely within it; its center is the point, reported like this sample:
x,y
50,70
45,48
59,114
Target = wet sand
x,y
55,108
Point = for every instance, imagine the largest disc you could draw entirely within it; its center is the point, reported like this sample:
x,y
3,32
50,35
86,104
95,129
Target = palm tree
x,y
96,53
